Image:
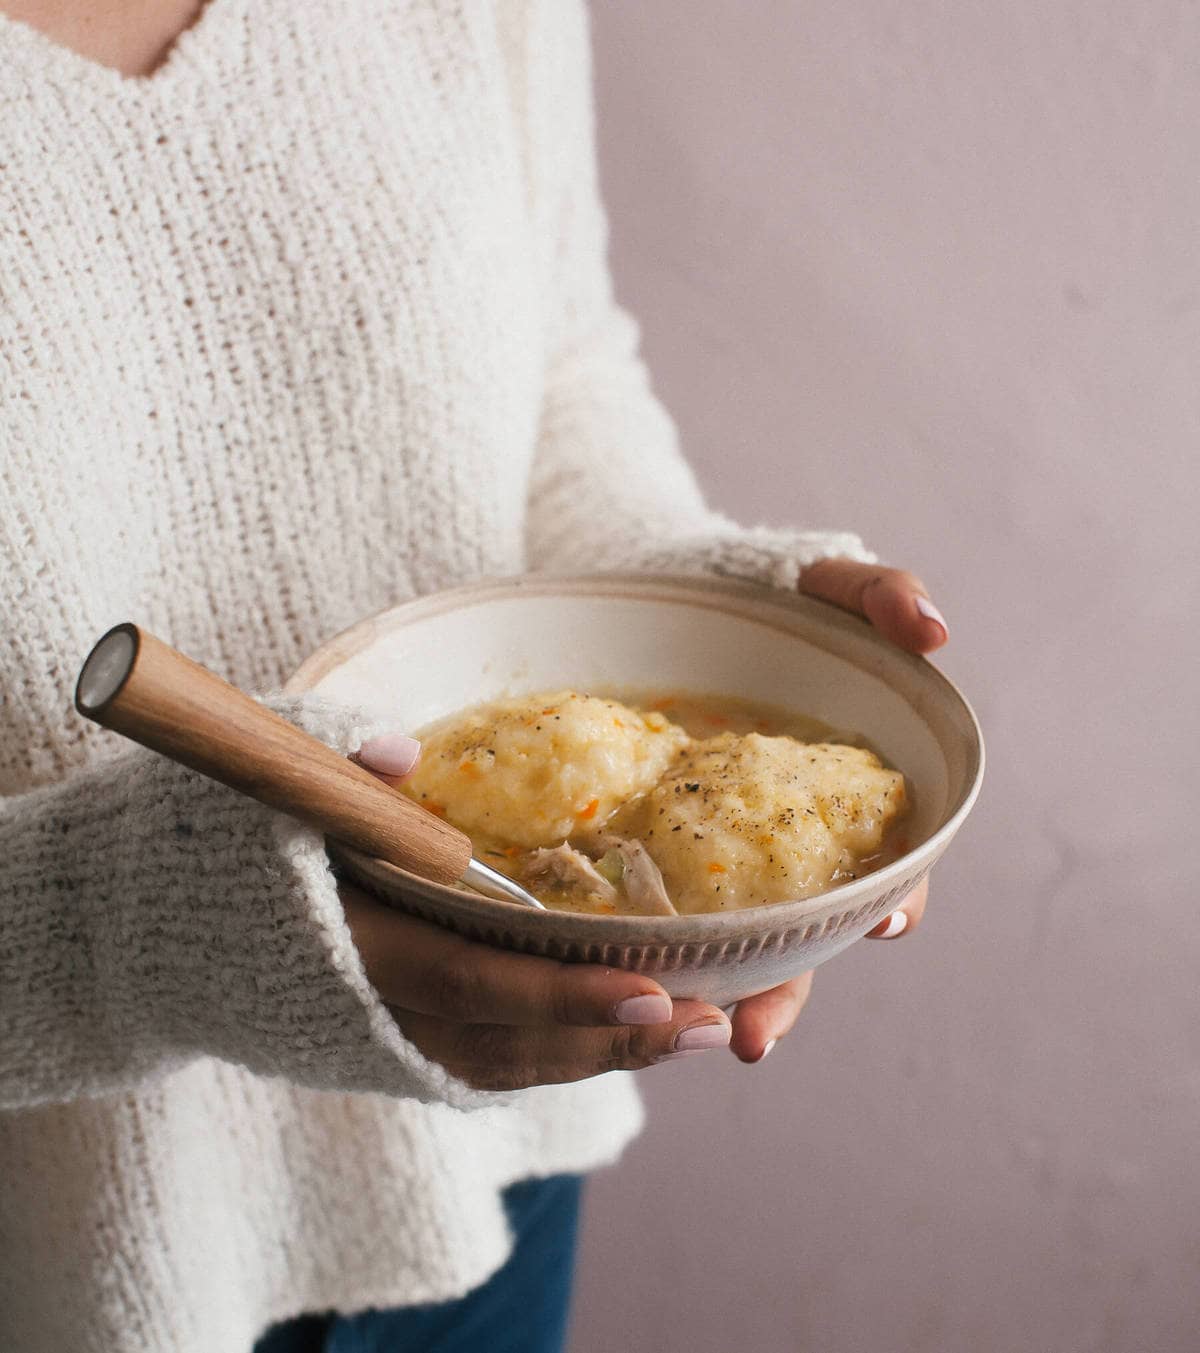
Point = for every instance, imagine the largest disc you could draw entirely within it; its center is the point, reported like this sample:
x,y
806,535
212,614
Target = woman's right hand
x,y
504,1021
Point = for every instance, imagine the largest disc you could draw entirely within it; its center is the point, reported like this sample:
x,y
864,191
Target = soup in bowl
x,y
786,675
660,805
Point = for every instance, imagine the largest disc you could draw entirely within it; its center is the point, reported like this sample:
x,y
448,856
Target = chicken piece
x,y
568,869
641,877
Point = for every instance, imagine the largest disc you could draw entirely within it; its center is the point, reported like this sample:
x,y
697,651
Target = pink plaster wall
x,y
933,270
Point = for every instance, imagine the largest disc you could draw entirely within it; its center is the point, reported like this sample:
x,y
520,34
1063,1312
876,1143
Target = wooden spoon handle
x,y
135,684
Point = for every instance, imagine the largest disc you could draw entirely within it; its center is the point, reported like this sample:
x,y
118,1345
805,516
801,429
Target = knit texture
x,y
313,320
168,958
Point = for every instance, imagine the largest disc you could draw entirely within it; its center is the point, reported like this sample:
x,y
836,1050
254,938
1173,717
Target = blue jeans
x,y
522,1308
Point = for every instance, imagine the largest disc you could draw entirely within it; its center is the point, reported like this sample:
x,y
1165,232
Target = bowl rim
x,y
709,592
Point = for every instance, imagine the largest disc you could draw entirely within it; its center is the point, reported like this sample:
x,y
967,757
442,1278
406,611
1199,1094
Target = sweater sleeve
x,y
610,488
151,916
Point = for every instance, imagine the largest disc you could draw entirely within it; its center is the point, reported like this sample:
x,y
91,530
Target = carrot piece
x,y
470,769
438,809
589,812
511,852
716,868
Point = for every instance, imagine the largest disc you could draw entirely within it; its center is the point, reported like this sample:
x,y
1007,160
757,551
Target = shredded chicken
x,y
642,879
565,867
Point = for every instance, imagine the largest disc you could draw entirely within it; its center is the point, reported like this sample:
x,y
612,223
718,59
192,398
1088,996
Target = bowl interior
x,y
442,653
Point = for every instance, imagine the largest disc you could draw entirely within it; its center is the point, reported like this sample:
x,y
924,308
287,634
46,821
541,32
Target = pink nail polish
x,y
701,1036
931,612
897,922
649,1009
390,753
762,1056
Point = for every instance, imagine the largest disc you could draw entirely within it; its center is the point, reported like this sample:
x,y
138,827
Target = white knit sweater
x,y
312,320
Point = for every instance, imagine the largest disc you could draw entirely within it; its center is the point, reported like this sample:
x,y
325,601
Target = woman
x,y
303,311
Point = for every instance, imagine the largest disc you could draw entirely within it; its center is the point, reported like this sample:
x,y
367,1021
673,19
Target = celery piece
x,y
611,865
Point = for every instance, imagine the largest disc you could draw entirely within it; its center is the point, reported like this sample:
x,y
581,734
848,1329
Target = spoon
x,y
144,689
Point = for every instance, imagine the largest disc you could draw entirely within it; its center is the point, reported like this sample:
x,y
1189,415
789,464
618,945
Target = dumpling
x,y
536,770
738,821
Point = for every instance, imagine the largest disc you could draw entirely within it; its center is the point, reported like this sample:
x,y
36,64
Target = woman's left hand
x,y
898,605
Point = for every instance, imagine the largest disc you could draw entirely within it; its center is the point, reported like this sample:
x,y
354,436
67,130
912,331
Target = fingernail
x,y
390,753
753,1061
701,1036
931,612
642,1010
895,926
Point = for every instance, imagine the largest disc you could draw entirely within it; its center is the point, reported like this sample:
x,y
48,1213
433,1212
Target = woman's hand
x,y
503,1021
895,602
898,605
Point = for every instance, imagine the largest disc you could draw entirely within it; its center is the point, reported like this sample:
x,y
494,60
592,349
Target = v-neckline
x,y
44,52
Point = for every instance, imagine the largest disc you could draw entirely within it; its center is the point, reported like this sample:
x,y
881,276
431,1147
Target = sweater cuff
x,y
331,1030
770,555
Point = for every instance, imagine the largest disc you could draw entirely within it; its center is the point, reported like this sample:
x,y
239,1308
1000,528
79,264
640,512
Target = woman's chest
x,y
314,227
131,37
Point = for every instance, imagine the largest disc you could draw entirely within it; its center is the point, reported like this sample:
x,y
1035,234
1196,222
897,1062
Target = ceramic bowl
x,y
444,652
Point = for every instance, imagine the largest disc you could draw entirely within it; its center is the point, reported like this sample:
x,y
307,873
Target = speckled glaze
x,y
443,652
